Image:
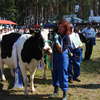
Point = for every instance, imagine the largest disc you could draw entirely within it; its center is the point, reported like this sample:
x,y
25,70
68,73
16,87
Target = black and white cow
x,y
6,46
30,52
27,51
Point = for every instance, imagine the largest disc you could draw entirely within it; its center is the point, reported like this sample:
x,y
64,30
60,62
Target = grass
x,y
87,89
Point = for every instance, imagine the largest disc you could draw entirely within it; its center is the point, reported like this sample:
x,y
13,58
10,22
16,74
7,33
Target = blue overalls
x,y
74,63
60,64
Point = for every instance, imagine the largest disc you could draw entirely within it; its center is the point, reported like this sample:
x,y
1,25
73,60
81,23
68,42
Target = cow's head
x,y
44,34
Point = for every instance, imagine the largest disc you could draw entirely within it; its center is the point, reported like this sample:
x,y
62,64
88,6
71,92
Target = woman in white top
x,y
76,57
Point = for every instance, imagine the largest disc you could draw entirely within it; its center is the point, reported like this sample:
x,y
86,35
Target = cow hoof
x,y
44,77
33,90
26,93
1,86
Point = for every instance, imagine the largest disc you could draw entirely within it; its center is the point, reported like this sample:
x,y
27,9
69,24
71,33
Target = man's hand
x,y
59,48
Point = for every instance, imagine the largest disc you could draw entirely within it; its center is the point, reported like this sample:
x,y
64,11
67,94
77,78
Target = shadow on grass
x,y
91,66
86,86
11,79
43,81
5,95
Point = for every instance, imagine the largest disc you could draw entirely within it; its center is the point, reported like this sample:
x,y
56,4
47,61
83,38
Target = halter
x,y
47,41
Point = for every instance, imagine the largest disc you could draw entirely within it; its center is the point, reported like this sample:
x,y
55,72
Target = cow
x,y
6,45
27,52
30,52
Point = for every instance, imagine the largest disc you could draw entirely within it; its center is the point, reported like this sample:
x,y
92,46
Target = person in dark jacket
x,y
90,35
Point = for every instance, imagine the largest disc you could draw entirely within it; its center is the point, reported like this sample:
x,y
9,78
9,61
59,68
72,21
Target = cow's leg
x,y
2,70
25,83
2,75
32,73
12,72
25,79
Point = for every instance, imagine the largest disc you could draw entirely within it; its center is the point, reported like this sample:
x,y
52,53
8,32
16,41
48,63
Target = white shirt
x,y
75,40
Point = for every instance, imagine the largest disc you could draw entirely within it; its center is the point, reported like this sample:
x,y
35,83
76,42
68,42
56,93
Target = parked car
x,y
94,19
72,18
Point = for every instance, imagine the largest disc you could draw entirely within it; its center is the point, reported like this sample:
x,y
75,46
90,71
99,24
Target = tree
x,y
8,9
19,10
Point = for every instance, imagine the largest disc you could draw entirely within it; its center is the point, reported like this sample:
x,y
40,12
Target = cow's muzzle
x,y
48,51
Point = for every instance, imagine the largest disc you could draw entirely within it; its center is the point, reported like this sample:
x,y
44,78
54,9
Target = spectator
x,y
90,35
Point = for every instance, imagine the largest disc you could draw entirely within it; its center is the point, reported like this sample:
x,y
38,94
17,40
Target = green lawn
x,y
87,89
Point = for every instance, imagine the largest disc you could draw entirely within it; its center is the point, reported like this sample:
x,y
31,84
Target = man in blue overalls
x,y
61,59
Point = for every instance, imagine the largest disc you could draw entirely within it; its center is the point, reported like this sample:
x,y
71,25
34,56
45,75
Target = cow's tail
x,y
18,77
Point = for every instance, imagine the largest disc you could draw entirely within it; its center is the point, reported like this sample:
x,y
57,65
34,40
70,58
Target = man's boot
x,y
64,96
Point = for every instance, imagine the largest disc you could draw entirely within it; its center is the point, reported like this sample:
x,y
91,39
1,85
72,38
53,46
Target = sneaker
x,y
86,59
78,80
64,95
64,98
70,80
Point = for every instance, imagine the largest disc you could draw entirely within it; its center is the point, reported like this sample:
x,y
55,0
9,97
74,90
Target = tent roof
x,y
7,22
